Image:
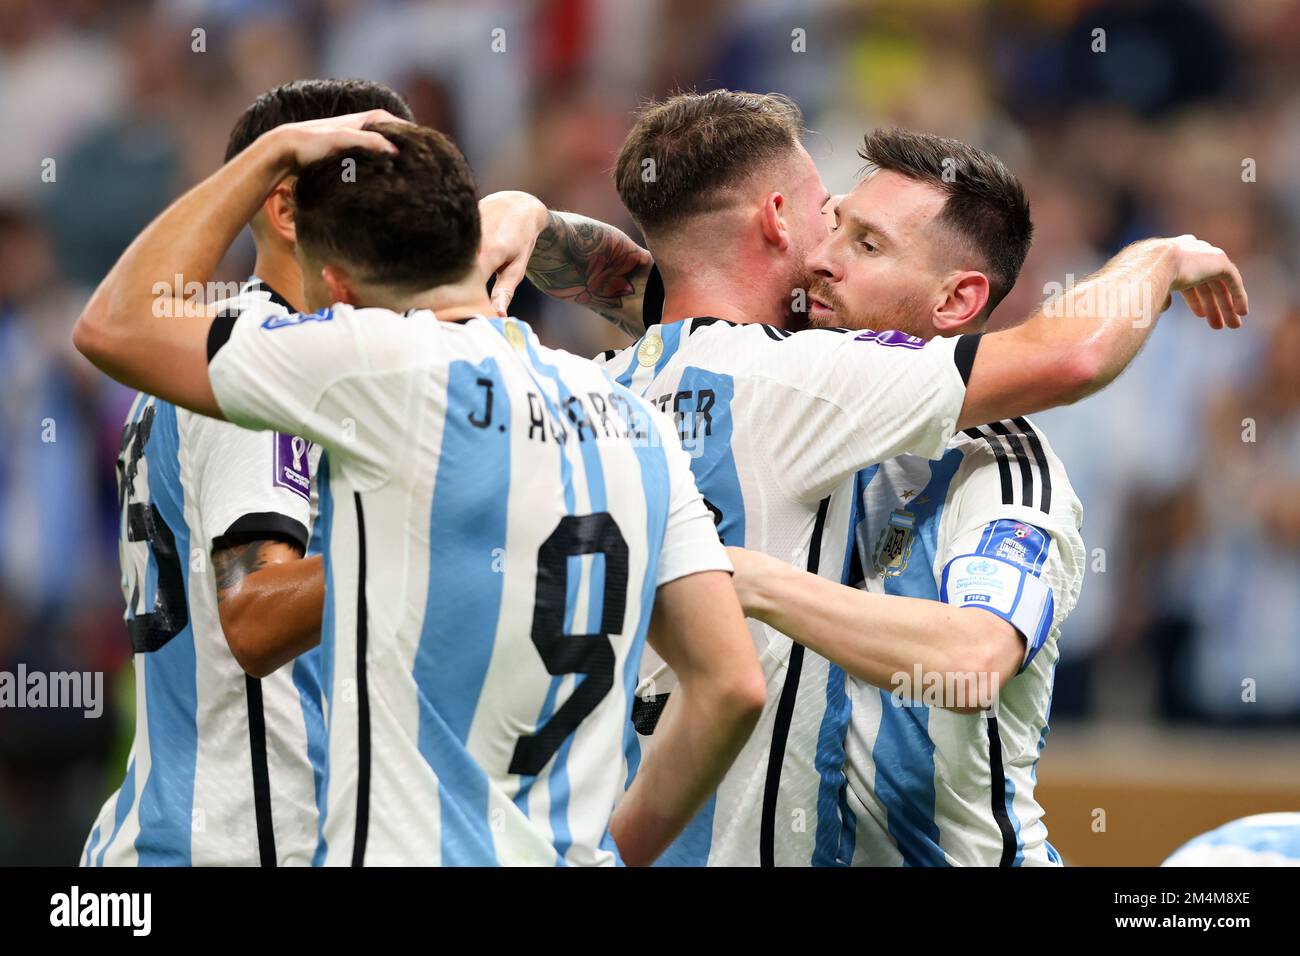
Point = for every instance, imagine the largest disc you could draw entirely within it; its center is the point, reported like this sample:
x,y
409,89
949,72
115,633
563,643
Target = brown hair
x,y
696,145
407,220
986,205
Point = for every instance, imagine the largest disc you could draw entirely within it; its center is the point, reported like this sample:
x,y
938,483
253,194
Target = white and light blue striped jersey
x,y
1265,839
497,519
223,770
993,524
774,423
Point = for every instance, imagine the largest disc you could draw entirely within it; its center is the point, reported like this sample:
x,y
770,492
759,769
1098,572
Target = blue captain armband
x,y
1003,577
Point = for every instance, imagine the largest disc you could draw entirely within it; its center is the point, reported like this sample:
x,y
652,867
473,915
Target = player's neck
x,y
282,274
732,301
460,300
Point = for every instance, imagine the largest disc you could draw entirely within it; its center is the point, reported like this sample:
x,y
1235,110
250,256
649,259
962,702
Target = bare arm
x,y
566,256
1079,342
270,599
140,329
699,631
879,638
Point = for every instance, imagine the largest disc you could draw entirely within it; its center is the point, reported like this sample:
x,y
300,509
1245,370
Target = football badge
x,y
514,335
652,346
895,545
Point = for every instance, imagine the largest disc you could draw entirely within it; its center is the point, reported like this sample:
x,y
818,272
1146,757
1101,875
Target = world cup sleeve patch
x,y
292,468
1017,542
1012,592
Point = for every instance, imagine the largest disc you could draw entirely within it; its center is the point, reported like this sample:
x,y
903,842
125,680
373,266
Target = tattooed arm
x,y
566,256
270,600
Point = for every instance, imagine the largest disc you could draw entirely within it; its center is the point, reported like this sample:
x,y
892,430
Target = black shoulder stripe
x,y
1004,466
1044,470
219,331
964,356
771,332
1022,458
702,321
608,355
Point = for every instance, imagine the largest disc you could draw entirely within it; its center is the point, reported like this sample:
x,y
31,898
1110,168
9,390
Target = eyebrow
x,y
865,225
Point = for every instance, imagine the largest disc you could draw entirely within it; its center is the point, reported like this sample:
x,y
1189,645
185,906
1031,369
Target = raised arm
x,y
1080,341
566,256
140,329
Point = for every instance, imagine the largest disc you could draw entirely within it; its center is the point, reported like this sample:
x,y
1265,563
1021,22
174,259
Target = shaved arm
x,y
1079,342
698,629
878,637
270,600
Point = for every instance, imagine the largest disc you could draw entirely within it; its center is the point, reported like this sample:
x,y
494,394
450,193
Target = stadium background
x,y
1188,122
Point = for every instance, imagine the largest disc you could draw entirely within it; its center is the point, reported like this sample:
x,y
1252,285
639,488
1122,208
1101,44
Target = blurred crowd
x,y
1124,118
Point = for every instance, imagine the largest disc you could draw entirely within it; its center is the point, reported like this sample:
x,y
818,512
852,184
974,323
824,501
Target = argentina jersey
x,y
992,524
774,423
1265,839
223,767
496,519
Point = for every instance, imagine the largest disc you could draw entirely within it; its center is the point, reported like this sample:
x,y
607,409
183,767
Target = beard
x,y
906,315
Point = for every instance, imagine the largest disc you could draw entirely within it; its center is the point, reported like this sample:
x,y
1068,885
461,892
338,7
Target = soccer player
x,y
499,518
731,207
970,564
215,525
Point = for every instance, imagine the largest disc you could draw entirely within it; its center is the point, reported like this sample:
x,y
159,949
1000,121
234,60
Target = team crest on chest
x,y
514,335
895,544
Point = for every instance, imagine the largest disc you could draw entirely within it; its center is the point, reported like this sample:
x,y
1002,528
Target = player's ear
x,y
278,210
772,221
965,296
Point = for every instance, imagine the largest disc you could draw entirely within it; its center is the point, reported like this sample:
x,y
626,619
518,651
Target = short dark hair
x,y
986,205
700,143
407,220
304,100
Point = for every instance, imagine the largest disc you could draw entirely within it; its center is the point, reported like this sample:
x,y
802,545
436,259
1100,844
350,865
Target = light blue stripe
x,y
306,678
558,782
467,533
171,695
904,753
718,481
657,489
624,377
325,525
94,842
672,337
836,822
125,798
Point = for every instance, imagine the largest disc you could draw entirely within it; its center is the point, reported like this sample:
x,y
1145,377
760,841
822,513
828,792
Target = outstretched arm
x,y
1080,341
878,638
566,256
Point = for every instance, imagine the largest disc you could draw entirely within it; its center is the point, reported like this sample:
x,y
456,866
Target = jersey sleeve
x,y
333,377
251,483
691,541
836,402
999,551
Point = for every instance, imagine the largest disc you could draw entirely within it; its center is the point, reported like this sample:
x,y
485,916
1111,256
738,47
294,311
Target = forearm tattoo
x,y
591,264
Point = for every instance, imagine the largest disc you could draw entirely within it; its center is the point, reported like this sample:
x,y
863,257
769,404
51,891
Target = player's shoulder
x,y
1011,465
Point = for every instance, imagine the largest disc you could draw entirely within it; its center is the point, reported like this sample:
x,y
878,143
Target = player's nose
x,y
821,262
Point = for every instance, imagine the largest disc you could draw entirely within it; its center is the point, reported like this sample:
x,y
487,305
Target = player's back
x,y
221,769
495,516
775,422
